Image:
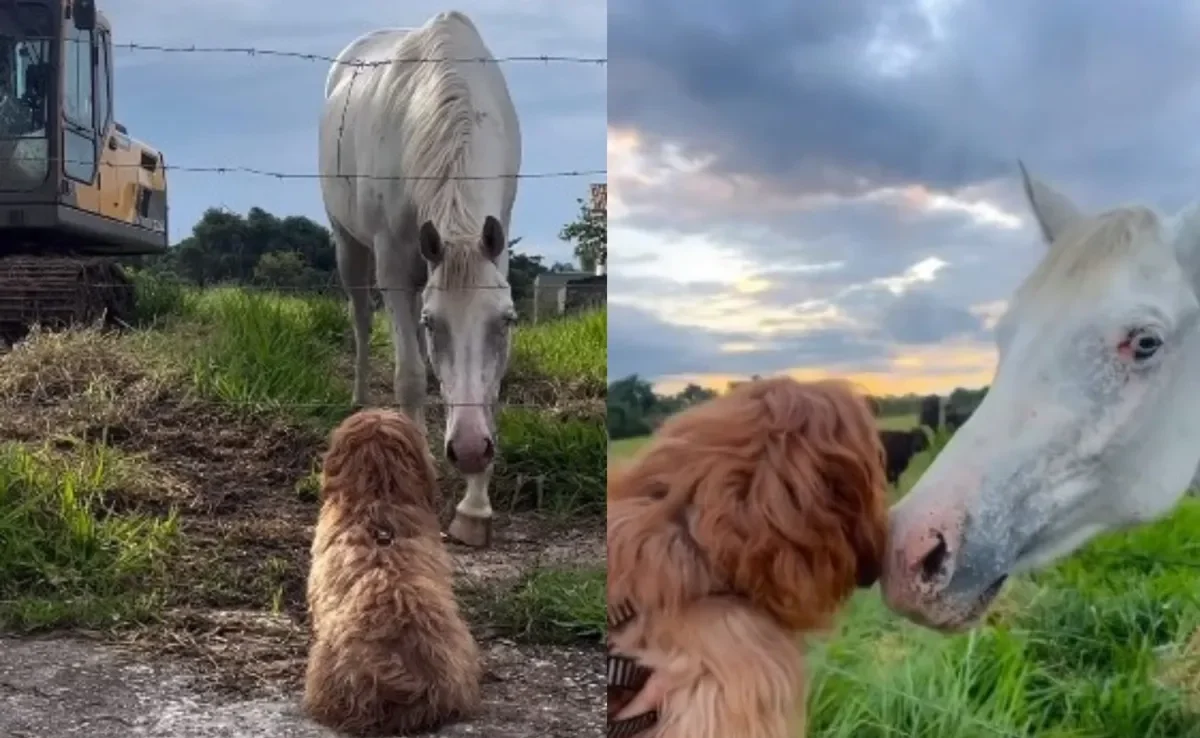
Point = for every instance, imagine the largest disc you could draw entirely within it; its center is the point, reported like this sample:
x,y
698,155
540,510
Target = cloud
x,y
848,167
232,109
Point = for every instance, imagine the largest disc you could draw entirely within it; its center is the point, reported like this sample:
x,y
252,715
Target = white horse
x,y
1092,422
430,148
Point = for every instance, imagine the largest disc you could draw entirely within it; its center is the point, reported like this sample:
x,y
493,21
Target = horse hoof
x,y
471,531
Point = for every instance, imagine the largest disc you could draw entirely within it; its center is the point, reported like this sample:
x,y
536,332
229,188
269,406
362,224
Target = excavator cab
x,y
76,190
71,178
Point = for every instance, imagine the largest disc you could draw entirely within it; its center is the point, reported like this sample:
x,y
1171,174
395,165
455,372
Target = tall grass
x,y
269,351
570,349
1086,648
555,464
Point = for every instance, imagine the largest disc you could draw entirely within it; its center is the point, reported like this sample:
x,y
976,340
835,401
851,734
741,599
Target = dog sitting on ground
x,y
746,522
391,654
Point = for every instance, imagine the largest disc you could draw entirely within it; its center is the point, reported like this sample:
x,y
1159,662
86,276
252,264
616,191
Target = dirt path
x,y
58,688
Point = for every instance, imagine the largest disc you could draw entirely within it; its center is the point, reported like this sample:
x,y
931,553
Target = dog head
x,y
775,491
380,455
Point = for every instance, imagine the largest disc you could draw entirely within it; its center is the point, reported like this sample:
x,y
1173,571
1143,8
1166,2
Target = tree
x,y
286,270
589,232
228,247
523,269
635,409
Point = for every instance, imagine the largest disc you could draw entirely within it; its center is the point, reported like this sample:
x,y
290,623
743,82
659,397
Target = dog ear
x,y
653,563
865,492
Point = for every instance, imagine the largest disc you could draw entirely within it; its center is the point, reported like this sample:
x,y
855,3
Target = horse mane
x,y
439,131
1089,250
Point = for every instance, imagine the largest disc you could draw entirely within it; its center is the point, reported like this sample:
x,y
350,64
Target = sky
x,y
238,110
830,187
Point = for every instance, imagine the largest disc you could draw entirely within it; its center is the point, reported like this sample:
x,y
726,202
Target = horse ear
x,y
431,243
1184,231
1053,211
493,241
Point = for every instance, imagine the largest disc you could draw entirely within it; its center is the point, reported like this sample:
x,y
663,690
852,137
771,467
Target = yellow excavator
x,y
76,191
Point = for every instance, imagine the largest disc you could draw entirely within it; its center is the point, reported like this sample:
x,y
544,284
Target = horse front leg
x,y
408,382
403,305
472,523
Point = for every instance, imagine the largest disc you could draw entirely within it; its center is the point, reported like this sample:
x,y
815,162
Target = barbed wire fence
x,y
334,288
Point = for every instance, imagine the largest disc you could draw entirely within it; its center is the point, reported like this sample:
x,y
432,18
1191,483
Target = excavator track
x,y
60,291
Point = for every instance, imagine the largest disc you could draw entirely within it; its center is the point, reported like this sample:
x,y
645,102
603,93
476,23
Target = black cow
x,y
931,412
899,447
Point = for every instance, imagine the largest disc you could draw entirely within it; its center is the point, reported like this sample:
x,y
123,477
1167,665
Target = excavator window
x,y
79,130
24,64
103,83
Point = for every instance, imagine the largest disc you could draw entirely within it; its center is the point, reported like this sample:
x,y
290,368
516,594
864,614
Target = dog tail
x,y
381,453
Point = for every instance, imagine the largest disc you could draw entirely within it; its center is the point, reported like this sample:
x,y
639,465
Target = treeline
x,y
634,409
296,253
961,399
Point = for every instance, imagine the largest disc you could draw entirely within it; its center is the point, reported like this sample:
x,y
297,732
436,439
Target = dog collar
x,y
626,673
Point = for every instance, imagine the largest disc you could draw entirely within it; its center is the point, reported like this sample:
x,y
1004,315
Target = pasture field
x,y
627,446
1104,645
897,422
158,490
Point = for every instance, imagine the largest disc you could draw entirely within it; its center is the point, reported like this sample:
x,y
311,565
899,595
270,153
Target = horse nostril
x,y
933,563
489,448
450,455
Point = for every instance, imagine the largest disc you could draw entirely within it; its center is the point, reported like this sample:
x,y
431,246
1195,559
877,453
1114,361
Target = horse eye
x,y
426,320
1145,345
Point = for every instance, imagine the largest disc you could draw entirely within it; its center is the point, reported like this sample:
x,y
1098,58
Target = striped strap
x,y
619,615
626,673
630,727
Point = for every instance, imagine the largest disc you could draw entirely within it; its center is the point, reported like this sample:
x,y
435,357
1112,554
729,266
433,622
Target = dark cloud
x,y
918,317
1101,95
641,343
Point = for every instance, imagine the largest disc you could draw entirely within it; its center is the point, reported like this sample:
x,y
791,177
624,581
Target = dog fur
x,y
391,654
745,523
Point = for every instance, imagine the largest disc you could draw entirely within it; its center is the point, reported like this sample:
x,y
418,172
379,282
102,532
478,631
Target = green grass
x,y
625,447
897,422
265,351
546,606
573,349
68,557
554,464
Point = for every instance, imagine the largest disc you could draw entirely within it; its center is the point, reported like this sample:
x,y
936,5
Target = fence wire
x,y
325,58
238,169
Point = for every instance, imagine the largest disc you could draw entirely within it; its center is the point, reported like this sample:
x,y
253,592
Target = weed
x,y
67,556
546,606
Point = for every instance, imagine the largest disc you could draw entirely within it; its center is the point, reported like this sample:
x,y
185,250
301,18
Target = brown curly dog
x,y
747,521
391,653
